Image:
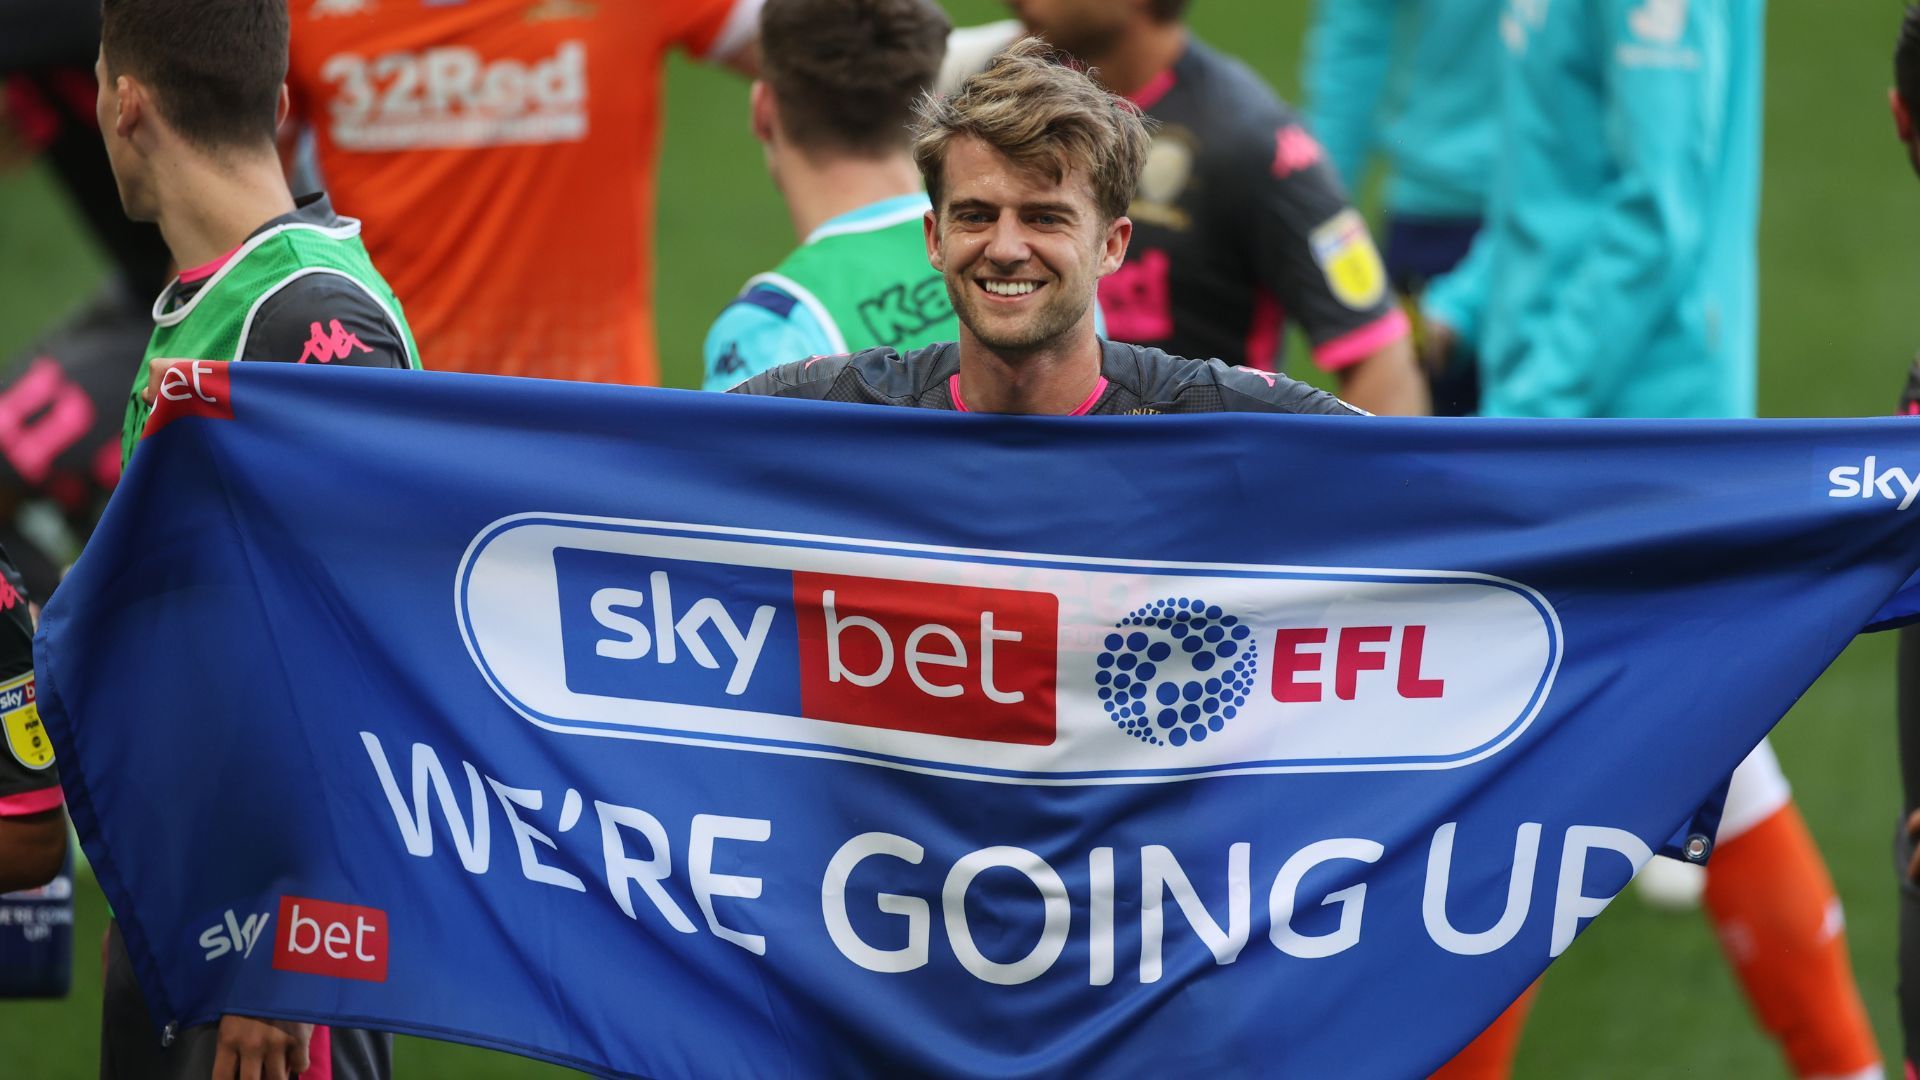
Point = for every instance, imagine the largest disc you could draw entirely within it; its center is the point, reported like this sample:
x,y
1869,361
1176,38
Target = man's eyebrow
x,y
1062,208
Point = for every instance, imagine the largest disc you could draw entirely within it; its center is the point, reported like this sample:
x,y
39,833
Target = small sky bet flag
x,y
678,735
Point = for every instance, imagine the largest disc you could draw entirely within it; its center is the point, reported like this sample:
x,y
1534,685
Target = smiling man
x,y
1030,169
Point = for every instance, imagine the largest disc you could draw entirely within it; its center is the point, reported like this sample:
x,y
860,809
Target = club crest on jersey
x,y
20,715
1163,179
1347,257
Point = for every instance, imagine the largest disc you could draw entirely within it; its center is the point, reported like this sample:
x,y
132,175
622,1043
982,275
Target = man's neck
x,y
1051,381
1140,57
210,206
818,192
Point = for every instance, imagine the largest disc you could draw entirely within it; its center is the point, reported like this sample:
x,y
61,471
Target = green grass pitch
x,y
1644,993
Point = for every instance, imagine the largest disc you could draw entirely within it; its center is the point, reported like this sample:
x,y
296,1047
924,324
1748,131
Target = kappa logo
x,y
1868,481
997,666
1294,150
231,935
334,343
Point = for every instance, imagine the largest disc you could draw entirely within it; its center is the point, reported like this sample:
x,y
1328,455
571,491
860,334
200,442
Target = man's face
x,y
107,109
1084,28
1021,254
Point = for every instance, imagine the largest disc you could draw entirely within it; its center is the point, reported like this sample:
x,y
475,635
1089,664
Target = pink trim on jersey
x,y
31,802
1356,345
1087,406
319,1054
953,391
1156,88
1263,335
205,270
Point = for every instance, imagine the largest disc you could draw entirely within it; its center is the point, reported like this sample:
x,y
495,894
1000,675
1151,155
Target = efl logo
x,y
190,388
345,941
995,665
1868,480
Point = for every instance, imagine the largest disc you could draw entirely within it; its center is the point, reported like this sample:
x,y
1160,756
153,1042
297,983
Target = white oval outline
x,y
1550,617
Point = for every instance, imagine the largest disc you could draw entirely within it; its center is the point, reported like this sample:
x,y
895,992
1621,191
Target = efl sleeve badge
x,y
20,715
1347,257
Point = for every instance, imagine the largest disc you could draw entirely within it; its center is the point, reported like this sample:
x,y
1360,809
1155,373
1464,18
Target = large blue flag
x,y
687,735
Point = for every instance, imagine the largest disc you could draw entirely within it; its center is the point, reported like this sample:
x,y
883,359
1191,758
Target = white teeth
x,y
1009,288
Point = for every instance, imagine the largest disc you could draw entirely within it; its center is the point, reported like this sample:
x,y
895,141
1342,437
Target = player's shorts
x,y
1757,791
1417,251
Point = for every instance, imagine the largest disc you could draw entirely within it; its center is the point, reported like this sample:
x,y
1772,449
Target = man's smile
x,y
1009,290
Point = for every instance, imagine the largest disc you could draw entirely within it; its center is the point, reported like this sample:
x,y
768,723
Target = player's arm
x,y
763,328
723,32
32,846
1349,53
1453,305
255,1049
1313,251
33,827
1646,239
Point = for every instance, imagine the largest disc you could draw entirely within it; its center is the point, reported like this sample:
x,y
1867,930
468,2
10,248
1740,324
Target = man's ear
x,y
282,108
930,226
1902,118
763,113
1119,235
130,106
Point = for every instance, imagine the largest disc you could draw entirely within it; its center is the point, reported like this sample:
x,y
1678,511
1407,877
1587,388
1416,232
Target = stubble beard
x,y
1049,324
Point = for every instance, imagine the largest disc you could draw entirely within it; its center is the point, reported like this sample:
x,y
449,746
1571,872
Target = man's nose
x,y
1007,246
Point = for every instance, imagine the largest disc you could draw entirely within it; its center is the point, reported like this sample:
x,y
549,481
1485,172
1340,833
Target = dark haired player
x,y
1239,221
192,145
836,90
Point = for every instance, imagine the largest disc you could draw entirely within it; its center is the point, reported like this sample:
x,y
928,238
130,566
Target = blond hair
x,y
1042,115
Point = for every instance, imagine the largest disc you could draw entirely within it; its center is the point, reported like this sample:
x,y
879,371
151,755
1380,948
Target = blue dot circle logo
x,y
1176,671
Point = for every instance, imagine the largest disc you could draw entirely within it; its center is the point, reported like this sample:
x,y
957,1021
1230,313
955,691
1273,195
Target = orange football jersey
x,y
502,156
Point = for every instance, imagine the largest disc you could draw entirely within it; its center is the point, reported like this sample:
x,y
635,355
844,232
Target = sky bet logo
x,y
997,666
940,659
1868,480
